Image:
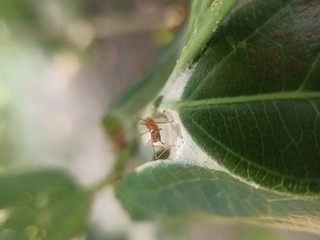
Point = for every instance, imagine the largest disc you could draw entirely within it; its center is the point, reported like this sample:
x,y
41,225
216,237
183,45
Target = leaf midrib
x,y
296,95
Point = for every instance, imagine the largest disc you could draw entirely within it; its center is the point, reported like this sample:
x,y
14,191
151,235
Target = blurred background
x,y
62,64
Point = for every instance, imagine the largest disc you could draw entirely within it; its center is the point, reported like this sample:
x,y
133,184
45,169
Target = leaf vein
x,y
245,99
308,75
241,158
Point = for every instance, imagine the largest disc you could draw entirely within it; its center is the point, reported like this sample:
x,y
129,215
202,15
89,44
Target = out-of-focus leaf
x,y
13,11
42,205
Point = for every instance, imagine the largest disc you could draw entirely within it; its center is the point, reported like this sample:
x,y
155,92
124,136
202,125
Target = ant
x,y
155,135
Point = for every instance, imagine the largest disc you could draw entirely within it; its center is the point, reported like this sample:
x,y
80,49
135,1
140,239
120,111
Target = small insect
x,y
155,135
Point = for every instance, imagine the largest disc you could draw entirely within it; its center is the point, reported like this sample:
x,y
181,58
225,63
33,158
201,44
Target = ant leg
x,y
163,122
165,149
154,151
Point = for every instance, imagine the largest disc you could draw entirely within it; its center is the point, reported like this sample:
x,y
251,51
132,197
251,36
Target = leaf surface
x,y
253,100
42,205
169,189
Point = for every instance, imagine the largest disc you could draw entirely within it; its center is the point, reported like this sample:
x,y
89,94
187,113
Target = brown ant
x,y
155,135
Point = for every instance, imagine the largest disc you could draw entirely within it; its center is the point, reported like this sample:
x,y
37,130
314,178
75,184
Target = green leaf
x,y
169,189
204,19
42,205
252,102
246,124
